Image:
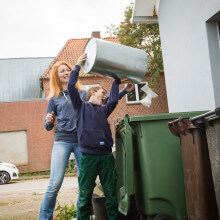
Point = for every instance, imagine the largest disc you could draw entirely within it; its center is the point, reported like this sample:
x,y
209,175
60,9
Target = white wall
x,y
191,55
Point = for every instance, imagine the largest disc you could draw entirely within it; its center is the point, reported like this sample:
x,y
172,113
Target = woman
x,y
65,140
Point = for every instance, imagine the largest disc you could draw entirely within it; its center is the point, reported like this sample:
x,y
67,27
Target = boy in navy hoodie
x,y
95,140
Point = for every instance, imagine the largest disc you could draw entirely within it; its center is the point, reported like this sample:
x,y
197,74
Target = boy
x,y
95,140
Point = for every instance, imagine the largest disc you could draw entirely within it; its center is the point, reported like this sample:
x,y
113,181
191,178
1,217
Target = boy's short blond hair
x,y
94,88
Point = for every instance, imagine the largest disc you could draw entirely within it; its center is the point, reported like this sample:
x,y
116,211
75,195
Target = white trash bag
x,y
150,94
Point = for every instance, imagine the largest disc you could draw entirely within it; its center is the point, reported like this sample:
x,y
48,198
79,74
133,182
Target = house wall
x,y
159,104
17,155
190,47
22,125
46,87
19,77
28,117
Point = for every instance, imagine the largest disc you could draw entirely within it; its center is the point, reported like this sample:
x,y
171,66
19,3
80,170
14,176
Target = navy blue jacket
x,y
63,110
93,129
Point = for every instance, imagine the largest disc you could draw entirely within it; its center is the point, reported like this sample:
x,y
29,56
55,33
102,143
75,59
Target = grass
x,y
39,173
69,171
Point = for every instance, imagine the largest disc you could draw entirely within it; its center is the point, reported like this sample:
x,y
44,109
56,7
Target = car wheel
x,y
4,177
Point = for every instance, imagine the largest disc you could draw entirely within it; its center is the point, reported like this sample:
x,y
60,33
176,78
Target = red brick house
x,y
70,53
23,139
22,119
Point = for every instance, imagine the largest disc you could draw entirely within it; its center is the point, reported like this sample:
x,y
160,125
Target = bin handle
x,y
172,127
199,121
179,126
129,164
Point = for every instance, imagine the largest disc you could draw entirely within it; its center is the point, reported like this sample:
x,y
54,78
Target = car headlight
x,y
11,166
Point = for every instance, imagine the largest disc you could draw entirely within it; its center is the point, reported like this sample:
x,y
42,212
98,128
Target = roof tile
x,y
71,52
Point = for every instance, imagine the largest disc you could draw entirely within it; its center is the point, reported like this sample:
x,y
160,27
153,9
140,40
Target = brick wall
x,y
29,116
159,104
46,87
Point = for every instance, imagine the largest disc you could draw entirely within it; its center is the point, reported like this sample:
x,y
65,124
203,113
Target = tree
x,y
142,36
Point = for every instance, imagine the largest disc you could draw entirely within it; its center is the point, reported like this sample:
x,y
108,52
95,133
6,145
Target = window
x,y
8,151
136,95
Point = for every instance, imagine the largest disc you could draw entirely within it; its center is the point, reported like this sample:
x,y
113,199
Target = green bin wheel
x,y
162,217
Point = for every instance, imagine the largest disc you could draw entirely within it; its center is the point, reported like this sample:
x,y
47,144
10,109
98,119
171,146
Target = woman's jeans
x,y
60,156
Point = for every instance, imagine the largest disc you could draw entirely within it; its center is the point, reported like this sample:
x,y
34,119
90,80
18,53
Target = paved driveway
x,y
22,199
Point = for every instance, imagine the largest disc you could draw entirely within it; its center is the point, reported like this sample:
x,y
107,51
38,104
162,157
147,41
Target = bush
x,y
65,212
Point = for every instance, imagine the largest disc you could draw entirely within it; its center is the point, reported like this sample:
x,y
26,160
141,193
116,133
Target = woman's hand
x,y
129,87
50,117
81,59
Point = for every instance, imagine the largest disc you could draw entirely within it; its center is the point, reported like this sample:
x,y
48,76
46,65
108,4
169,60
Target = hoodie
x,y
93,129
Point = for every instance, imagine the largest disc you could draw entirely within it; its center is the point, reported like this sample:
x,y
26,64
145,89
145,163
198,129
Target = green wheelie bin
x,y
150,183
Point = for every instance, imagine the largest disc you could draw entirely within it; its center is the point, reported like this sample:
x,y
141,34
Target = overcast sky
x,y
40,28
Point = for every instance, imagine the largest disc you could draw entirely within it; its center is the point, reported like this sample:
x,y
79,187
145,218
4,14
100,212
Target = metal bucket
x,y
115,60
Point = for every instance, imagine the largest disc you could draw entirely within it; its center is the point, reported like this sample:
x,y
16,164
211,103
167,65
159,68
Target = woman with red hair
x,y
65,140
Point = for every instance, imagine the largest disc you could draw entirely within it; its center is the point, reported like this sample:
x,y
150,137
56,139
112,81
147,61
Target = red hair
x,y
55,84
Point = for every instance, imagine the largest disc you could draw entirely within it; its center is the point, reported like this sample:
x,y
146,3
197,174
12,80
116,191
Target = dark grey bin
x,y
210,121
98,205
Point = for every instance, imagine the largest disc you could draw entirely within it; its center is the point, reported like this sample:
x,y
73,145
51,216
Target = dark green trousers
x,y
90,167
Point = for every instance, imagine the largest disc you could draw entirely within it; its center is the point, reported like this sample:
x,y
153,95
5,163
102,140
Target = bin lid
x,y
165,116
200,120
91,50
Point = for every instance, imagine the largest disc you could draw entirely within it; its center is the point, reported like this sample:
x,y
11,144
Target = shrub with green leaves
x,y
65,212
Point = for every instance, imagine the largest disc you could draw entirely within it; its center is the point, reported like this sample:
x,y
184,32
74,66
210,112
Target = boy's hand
x,y
81,59
50,117
129,87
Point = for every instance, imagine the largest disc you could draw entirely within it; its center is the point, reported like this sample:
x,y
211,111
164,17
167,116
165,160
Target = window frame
x,y
136,93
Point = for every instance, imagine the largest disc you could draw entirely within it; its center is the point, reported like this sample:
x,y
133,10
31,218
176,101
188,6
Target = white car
x,y
8,172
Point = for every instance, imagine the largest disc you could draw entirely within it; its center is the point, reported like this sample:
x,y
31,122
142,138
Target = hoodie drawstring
x,y
65,96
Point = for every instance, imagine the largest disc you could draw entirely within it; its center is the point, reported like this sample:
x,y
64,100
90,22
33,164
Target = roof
x,y
71,52
19,78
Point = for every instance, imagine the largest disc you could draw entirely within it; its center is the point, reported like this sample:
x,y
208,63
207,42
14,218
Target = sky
x,y
40,28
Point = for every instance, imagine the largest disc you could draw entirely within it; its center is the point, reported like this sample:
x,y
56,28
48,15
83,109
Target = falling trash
x,y
150,94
